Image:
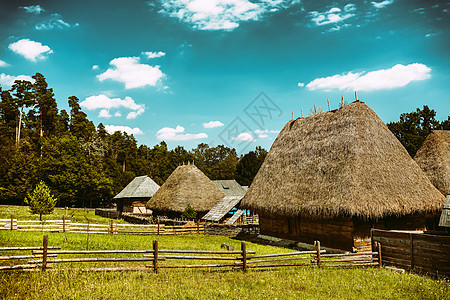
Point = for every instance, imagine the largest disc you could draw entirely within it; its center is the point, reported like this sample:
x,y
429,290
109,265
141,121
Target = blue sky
x,y
228,71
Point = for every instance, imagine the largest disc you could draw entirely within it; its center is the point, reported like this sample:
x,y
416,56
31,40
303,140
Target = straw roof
x,y
343,162
434,159
230,187
139,187
186,185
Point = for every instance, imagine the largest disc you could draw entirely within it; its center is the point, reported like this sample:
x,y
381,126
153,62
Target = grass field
x,y
281,283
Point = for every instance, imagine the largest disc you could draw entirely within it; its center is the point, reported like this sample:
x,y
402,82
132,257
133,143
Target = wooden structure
x,y
444,221
336,175
187,185
416,251
135,195
434,159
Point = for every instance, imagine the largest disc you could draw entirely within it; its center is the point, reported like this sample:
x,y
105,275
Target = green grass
x,y
282,283
73,214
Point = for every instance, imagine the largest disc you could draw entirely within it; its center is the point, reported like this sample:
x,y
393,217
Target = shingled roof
x,y
230,187
139,187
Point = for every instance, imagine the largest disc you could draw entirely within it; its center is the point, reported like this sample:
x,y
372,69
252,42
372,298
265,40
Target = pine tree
x,y
41,201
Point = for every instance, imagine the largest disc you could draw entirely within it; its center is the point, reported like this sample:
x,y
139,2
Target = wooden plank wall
x,y
422,253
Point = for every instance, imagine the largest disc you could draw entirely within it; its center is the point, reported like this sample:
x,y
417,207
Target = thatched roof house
x,y
332,176
186,185
138,191
434,159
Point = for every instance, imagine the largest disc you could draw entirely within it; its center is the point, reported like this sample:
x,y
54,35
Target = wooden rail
x,y
112,228
47,258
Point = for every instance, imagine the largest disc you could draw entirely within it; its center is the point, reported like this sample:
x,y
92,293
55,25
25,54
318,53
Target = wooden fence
x,y
419,252
154,259
112,228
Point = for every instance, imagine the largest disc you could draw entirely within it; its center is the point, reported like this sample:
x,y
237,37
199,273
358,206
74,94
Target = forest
x,y
85,166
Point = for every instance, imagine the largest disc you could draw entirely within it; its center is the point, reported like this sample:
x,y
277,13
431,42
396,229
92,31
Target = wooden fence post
x,y
244,256
379,255
44,252
317,244
64,224
412,250
111,226
198,227
158,226
155,256
12,222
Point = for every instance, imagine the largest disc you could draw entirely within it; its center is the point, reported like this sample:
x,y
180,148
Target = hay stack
x,y
186,185
434,159
340,163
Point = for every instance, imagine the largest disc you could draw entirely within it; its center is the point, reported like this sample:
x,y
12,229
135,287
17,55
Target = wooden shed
x,y
434,159
334,176
135,195
186,185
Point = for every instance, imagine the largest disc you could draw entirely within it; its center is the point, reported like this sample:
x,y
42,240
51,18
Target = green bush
x,y
40,200
189,212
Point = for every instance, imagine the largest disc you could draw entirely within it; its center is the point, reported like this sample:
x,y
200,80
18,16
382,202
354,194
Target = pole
x,y
379,255
64,223
12,222
244,256
158,226
44,252
318,253
155,256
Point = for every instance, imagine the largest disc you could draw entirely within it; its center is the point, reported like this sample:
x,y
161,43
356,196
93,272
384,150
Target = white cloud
x,y
3,64
55,22
333,16
301,84
113,128
274,131
263,136
382,4
33,9
95,67
221,14
245,136
8,80
150,54
397,76
213,124
30,50
103,101
176,134
133,74
117,114
134,114
104,113
259,131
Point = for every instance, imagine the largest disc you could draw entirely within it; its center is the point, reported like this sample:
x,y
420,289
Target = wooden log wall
x,y
418,252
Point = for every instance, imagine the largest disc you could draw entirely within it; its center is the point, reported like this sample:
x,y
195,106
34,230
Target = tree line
x,y
82,164
85,166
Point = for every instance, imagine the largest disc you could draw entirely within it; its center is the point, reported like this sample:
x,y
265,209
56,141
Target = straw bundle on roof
x,y
434,159
343,162
186,185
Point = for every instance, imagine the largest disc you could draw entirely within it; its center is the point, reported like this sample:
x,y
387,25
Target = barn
x,y
186,185
135,195
334,176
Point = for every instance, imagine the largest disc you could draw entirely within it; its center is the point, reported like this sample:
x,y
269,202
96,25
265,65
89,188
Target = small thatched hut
x,y
333,176
135,195
434,159
186,185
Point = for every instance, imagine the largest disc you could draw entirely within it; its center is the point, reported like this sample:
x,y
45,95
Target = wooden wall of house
x,y
346,233
333,233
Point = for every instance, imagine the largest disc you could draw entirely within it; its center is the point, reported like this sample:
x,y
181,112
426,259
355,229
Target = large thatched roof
x,y
434,159
343,162
139,187
186,185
